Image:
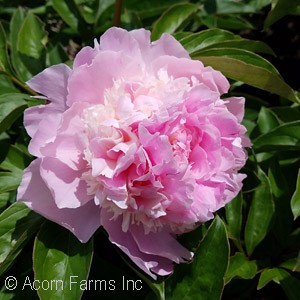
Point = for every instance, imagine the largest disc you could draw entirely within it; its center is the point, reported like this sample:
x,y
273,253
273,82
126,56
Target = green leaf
x,y
289,283
149,9
234,216
252,46
267,120
4,199
32,37
250,68
241,267
6,85
292,264
9,181
283,220
260,214
287,114
295,201
281,9
201,40
227,7
15,25
68,12
228,22
267,276
200,280
16,160
283,137
11,107
17,225
172,18
4,64
56,55
58,255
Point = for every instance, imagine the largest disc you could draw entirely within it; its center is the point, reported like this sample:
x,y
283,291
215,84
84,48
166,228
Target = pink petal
x,y
52,82
34,115
82,221
127,244
43,130
65,184
236,106
88,82
168,45
160,243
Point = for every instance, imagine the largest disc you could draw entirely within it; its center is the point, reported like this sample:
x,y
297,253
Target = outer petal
x,y
120,40
160,243
34,115
65,184
68,145
127,244
42,126
82,221
236,106
52,82
88,82
168,45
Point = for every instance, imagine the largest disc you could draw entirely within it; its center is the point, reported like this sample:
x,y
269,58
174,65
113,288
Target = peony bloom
x,y
134,138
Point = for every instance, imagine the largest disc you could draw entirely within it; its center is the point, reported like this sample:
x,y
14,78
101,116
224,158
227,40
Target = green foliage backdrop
x,y
251,249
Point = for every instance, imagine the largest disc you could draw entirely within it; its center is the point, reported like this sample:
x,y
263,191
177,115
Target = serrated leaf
x,y
260,214
11,107
281,9
284,137
200,279
241,267
59,255
32,37
172,18
295,201
250,68
17,225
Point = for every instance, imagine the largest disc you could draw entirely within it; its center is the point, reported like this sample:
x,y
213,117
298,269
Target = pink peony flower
x,y
135,138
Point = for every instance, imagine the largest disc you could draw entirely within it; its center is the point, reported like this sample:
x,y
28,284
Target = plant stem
x,y
117,13
23,86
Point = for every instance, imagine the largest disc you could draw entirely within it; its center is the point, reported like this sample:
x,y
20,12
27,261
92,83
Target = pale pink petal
x,y
126,242
52,83
45,132
120,40
65,184
236,106
160,243
215,80
82,221
168,45
88,82
34,115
